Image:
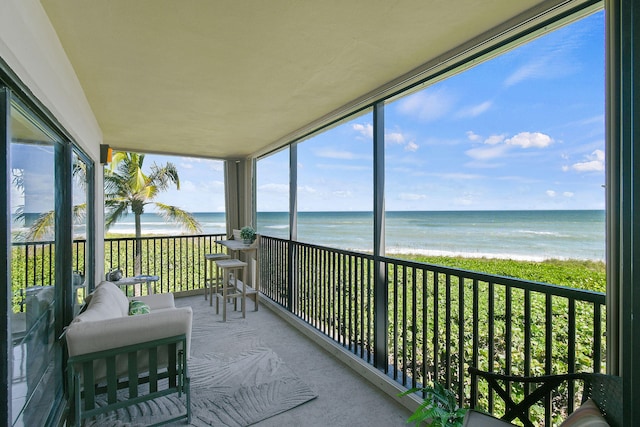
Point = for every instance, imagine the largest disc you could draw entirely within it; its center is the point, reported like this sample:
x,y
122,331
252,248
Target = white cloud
x,y
475,110
487,153
593,163
465,200
533,69
427,105
274,188
551,193
496,146
394,137
188,186
411,146
412,196
473,136
530,139
335,154
343,194
216,165
494,139
365,129
215,185
567,194
458,176
306,189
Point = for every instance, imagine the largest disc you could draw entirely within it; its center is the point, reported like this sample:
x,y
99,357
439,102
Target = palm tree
x,y
43,225
128,188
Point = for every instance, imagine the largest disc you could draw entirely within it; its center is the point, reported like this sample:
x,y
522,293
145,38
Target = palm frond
x,y
18,179
42,226
79,172
114,211
182,217
163,176
79,213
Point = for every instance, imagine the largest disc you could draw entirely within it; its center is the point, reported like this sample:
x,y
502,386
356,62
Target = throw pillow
x,y
138,307
586,415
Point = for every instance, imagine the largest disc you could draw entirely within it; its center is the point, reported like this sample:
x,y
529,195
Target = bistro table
x,y
250,250
135,280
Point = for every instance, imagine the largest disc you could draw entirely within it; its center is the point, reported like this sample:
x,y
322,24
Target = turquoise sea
x,y
531,235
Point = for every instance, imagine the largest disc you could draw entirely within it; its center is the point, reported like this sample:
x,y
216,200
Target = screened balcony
x,y
237,82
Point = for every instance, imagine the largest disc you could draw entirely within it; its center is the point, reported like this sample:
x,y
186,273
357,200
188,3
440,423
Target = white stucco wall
x,y
30,46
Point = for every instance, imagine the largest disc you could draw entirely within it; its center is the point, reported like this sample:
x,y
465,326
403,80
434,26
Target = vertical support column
x,y
293,221
63,234
380,291
90,256
253,192
623,177
6,366
238,183
231,195
613,186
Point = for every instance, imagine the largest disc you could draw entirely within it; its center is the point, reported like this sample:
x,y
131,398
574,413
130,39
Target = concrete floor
x,y
344,397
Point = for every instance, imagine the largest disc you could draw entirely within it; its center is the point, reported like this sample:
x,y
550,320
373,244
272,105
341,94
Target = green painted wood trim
x,y
177,374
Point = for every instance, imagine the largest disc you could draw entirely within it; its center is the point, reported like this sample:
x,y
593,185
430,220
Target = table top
x,y
236,245
137,279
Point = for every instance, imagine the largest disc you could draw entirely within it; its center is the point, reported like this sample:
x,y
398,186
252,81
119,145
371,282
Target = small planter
x,y
248,235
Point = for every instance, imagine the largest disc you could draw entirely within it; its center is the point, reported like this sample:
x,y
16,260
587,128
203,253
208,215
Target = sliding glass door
x,y
36,374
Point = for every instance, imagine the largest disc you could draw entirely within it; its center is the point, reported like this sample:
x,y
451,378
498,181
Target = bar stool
x,y
209,281
231,290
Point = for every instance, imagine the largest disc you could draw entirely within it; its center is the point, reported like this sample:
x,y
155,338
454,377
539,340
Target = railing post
x,y
290,274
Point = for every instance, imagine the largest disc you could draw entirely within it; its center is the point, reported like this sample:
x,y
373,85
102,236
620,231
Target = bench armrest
x,y
89,337
156,301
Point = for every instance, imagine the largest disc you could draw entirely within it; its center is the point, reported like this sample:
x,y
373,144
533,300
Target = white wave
x,y
280,227
213,224
431,252
151,231
541,233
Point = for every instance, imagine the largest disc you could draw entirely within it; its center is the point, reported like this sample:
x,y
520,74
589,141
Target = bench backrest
x,y
604,390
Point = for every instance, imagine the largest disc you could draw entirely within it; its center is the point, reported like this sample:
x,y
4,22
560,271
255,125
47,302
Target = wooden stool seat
x,y
209,281
228,289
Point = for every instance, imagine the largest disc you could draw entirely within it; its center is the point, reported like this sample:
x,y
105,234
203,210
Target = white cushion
x,y
587,415
157,301
88,337
478,419
106,302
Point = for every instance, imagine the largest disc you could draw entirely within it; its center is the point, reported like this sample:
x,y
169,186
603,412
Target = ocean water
x,y
522,235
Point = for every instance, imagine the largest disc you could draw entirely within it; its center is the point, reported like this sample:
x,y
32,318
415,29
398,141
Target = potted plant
x,y
439,408
248,235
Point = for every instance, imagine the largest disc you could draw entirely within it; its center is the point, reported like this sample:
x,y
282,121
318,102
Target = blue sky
x,y
524,130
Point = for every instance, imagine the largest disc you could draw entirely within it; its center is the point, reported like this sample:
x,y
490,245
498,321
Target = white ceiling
x,y
226,79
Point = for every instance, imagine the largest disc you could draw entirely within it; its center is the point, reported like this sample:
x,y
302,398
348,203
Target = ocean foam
x,y
431,252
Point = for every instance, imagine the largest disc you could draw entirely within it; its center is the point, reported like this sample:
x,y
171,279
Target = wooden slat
x,y
89,395
133,374
153,369
112,380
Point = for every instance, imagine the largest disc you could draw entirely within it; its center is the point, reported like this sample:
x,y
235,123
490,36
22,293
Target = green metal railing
x,y
439,320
